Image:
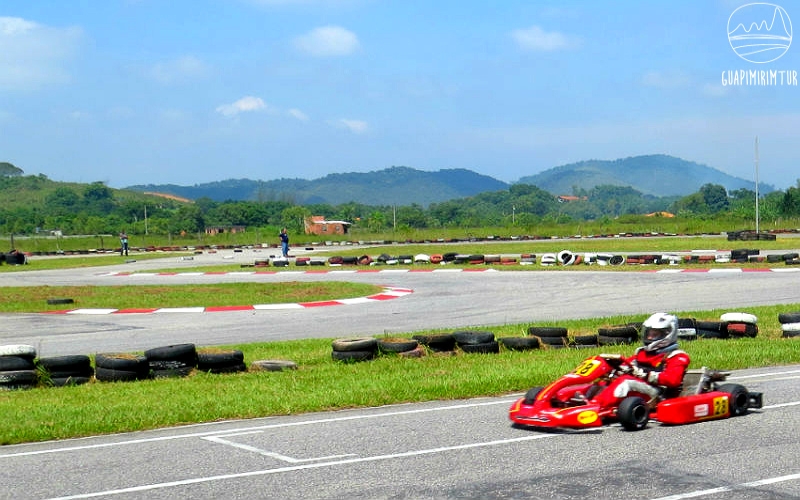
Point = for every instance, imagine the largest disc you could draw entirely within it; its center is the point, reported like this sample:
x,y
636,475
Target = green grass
x,y
34,299
37,263
321,384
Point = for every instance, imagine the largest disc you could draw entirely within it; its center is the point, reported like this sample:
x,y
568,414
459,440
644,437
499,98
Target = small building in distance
x,y
211,230
316,224
563,198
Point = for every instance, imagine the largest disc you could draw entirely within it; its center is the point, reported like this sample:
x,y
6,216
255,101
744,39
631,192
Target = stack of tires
x,y
711,329
171,361
59,371
790,324
551,337
403,347
618,334
526,343
17,368
584,341
740,324
442,342
475,341
212,360
120,367
687,329
354,349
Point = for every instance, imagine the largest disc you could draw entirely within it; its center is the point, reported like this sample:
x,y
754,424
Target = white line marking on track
x,y
723,489
407,454
259,427
277,456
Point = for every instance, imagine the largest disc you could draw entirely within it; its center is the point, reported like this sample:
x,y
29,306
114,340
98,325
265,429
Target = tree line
x,y
98,209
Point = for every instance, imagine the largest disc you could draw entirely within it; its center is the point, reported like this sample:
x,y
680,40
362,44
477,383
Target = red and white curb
x,y
283,273
388,293
454,270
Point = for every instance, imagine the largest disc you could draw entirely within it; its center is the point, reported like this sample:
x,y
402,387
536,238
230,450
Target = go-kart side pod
x,y
729,400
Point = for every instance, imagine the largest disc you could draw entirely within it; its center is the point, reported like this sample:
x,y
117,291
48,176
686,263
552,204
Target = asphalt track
x,y
455,449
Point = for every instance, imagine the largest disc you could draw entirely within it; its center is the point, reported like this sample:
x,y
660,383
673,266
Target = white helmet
x,y
660,331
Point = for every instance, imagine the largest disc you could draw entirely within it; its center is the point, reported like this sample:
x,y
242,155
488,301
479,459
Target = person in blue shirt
x,y
284,243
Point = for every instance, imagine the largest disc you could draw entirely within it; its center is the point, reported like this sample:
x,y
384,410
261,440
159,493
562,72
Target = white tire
x,y
790,327
17,350
739,317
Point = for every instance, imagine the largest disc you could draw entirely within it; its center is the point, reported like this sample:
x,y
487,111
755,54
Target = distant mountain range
x,y
658,175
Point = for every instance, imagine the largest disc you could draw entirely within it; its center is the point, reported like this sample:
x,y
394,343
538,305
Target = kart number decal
x,y
587,367
587,417
721,406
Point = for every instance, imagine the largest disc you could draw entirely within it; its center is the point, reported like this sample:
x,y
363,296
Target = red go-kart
x,y
570,402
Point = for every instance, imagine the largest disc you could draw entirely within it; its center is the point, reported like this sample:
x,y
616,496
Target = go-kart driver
x,y
658,364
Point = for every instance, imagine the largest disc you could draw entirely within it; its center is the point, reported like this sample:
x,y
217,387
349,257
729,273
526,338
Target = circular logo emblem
x,y
587,417
760,32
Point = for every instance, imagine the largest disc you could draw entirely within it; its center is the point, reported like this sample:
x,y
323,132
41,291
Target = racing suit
x,y
657,374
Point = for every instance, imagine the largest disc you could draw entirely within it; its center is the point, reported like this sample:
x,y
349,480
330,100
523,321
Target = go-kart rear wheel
x,y
633,413
530,396
739,398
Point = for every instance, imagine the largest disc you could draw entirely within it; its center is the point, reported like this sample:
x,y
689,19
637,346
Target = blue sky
x,y
191,91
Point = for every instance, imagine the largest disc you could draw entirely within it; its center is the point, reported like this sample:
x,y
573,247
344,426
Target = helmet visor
x,y
653,334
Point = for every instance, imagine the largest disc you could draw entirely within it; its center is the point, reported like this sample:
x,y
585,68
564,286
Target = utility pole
x,y
756,160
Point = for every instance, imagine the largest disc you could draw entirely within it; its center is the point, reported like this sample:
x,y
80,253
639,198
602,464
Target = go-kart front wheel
x,y
633,413
738,400
530,396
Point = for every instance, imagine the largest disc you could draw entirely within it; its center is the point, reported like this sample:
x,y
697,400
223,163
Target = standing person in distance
x,y
123,240
284,243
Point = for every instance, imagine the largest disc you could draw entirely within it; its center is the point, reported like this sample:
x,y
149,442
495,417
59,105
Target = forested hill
x,y
391,186
657,175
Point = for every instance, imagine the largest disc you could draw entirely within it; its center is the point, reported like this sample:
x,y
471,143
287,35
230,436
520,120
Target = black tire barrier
x,y
481,348
520,343
790,330
14,363
553,342
547,331
185,353
414,353
220,361
122,361
355,344
437,342
116,375
273,365
789,317
66,364
585,341
628,333
603,340
465,337
396,345
18,379
352,356
57,301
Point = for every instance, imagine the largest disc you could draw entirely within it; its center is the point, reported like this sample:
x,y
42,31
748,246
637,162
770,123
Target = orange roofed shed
x,y
316,224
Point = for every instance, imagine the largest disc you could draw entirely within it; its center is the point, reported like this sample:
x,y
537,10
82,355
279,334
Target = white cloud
x,y
354,126
327,41
296,113
536,39
666,80
33,55
187,67
243,105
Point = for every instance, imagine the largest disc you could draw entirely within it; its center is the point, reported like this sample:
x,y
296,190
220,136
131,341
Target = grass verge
x,y
320,384
34,299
